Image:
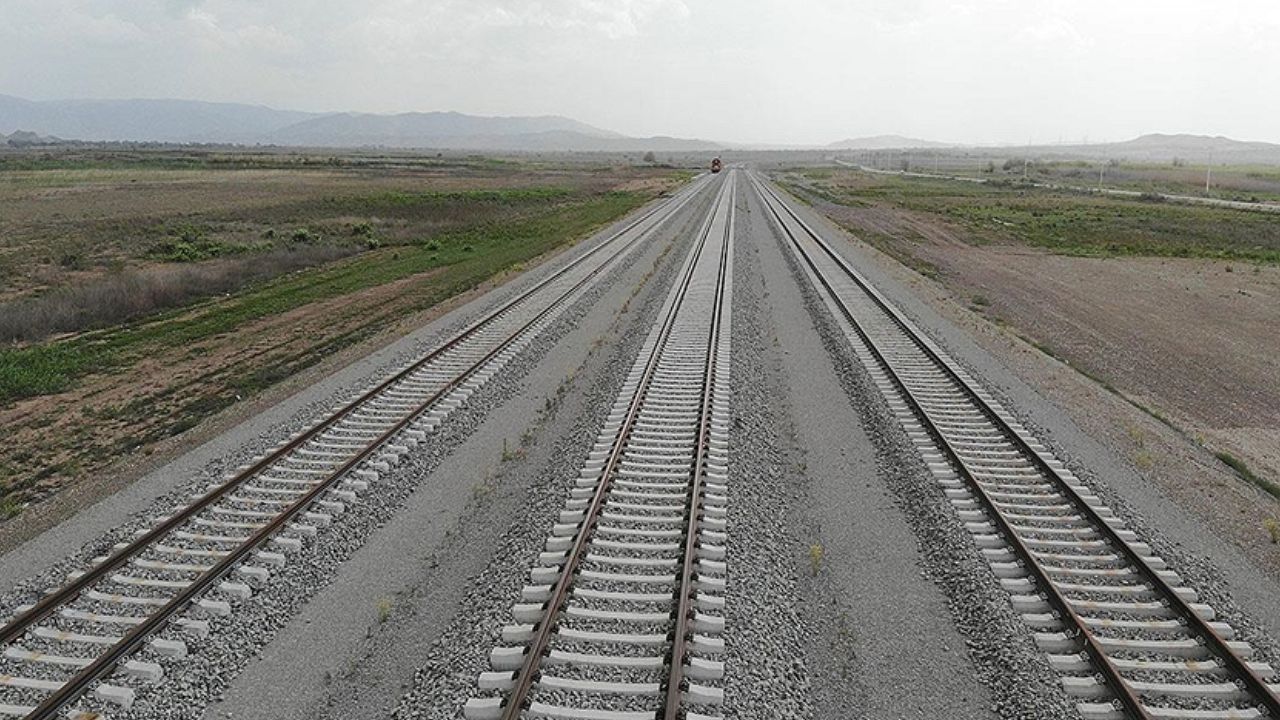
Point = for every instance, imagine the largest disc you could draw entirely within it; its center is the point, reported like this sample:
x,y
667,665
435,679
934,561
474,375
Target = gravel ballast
x,y
448,664
880,641
1004,658
766,673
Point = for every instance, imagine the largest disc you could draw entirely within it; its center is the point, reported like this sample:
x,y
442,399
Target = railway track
x,y
623,613
91,642
1129,638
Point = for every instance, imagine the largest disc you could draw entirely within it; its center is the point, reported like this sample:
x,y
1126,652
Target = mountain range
x,y
188,121
1154,147
884,142
1158,147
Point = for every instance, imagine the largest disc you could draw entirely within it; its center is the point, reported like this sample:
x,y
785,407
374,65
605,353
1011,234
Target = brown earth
x,y
1170,357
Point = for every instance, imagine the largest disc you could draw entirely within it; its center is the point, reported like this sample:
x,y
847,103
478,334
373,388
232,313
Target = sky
x,y
749,71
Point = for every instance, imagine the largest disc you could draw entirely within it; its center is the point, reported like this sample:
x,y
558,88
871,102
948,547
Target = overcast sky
x,y
1006,71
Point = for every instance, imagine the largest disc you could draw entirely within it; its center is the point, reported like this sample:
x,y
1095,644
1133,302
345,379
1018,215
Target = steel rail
x,y
1111,675
131,640
518,697
684,588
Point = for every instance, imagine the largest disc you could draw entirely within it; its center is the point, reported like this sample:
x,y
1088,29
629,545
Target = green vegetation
x,y
384,608
463,259
9,507
1066,222
399,199
1243,470
41,370
133,262
74,164
188,243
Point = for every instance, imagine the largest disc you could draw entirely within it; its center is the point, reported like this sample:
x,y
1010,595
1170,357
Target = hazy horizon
x,y
998,72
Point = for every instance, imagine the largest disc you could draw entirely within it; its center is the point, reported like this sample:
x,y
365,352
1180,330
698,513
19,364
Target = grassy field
x,y
1063,222
1244,183
195,289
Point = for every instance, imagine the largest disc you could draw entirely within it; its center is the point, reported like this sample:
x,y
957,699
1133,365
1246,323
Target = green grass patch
x,y
399,198
47,369
1243,470
190,243
1071,223
10,506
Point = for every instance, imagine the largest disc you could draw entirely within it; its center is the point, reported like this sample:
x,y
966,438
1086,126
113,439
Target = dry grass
x,y
119,297
816,556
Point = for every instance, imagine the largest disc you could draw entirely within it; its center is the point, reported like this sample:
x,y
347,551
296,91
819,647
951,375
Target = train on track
x,y
715,165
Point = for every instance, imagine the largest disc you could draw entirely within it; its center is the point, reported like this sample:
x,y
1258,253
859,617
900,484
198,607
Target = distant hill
x,y
185,121
1164,148
422,129
1198,148
884,142
23,138
144,120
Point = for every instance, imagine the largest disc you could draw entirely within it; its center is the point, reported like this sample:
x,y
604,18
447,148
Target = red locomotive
x,y
715,165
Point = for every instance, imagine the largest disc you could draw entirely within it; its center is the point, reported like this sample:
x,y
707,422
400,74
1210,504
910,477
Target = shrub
x,y
123,296
816,555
